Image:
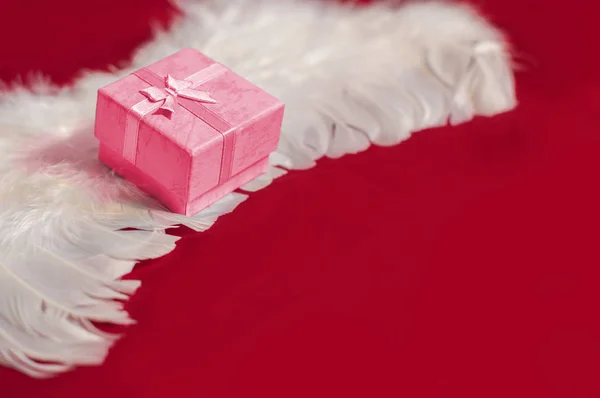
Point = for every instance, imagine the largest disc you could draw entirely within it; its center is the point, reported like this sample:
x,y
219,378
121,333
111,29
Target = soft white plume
x,y
349,77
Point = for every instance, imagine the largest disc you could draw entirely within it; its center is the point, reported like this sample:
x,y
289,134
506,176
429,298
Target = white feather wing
x,y
349,78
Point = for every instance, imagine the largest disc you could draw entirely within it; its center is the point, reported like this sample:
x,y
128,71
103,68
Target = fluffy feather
x,y
349,77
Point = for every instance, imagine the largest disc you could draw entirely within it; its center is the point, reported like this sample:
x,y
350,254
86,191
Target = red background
x,y
461,263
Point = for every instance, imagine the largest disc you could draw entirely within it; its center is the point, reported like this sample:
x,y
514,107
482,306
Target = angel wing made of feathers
x,y
350,77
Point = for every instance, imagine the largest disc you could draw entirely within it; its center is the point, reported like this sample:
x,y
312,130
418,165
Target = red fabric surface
x,y
461,263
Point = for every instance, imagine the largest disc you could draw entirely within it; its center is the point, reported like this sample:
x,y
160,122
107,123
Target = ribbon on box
x,y
166,93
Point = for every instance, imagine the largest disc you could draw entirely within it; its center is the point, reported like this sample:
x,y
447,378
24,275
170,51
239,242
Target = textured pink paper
x,y
178,157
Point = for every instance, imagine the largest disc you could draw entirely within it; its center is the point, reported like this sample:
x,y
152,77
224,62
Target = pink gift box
x,y
187,130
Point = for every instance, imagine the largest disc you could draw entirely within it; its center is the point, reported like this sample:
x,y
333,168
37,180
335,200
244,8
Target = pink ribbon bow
x,y
175,88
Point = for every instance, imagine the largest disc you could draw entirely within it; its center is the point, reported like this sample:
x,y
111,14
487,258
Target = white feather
x,y
349,77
